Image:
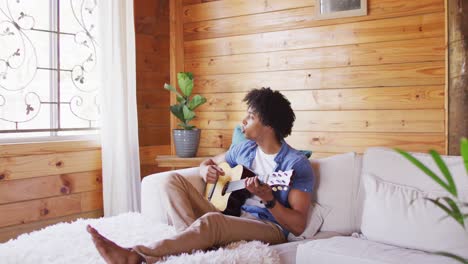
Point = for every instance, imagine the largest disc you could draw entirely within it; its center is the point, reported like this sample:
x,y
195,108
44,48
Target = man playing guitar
x,y
268,215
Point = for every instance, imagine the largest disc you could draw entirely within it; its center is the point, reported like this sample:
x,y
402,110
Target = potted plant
x,y
187,138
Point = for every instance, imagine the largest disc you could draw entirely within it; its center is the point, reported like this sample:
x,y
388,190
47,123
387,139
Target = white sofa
x,y
372,210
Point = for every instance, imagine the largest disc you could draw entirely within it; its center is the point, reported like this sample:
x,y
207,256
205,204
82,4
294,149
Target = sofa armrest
x,y
151,201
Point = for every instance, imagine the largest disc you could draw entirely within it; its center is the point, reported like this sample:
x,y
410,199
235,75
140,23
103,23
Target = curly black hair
x,y
273,109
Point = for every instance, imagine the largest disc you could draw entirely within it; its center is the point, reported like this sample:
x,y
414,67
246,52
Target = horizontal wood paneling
x,y
154,135
177,162
10,150
47,182
153,98
10,232
154,116
147,159
408,74
47,186
429,120
410,97
219,138
152,44
339,142
405,51
35,210
149,153
152,82
190,2
210,152
301,18
392,29
30,166
375,80
152,60
231,8
321,155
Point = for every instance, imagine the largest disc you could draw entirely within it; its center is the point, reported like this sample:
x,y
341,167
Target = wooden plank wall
x,y
375,80
152,51
46,183
50,182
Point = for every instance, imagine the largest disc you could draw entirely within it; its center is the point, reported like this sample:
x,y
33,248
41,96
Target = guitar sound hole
x,y
223,192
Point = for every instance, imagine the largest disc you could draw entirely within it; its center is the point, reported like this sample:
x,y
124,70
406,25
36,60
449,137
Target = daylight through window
x,y
49,71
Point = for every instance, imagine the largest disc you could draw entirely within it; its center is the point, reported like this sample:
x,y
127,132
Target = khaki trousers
x,y
201,226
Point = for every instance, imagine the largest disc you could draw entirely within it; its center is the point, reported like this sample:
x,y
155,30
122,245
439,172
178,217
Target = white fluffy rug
x,y
70,243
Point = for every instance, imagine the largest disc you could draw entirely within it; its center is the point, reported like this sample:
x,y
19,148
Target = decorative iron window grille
x,y
49,76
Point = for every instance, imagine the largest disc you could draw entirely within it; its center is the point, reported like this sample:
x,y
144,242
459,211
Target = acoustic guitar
x,y
228,194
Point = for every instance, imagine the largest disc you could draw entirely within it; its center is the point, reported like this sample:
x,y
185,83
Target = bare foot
x,y
111,252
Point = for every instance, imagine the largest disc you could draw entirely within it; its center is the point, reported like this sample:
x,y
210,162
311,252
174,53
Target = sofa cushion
x,y
337,181
399,215
287,251
394,212
314,221
351,250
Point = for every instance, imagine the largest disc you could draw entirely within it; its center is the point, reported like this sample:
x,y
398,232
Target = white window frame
x,y
54,76
340,14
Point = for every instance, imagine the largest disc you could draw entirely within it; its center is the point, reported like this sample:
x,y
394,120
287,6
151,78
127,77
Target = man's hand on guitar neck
x,y
263,191
210,171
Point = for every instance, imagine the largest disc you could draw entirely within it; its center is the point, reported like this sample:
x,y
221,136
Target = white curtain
x,y
119,123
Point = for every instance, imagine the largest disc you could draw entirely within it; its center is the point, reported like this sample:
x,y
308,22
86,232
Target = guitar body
x,y
228,203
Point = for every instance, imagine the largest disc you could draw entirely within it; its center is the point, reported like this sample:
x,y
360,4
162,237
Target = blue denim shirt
x,y
286,159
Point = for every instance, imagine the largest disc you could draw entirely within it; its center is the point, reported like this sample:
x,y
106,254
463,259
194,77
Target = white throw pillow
x,y
314,221
337,182
399,215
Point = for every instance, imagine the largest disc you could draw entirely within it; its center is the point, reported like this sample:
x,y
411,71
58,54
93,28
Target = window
x,y
49,71
330,9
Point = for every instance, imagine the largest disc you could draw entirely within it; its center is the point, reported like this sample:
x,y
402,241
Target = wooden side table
x,y
177,162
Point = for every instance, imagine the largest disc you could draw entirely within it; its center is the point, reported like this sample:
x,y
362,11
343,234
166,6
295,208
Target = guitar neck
x,y
238,185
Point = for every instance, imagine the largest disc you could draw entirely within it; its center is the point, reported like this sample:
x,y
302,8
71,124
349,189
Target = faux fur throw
x,y
70,243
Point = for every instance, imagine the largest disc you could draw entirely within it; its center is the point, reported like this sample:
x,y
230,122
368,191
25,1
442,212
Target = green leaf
x,y
177,110
422,167
453,211
452,256
456,210
185,80
196,101
171,88
188,114
445,171
180,99
464,152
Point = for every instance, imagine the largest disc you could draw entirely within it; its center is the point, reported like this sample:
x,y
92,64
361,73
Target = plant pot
x,y
186,142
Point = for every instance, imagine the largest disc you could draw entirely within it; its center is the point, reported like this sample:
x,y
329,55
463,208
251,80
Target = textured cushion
x,y
314,221
287,251
351,250
337,181
391,183
390,166
239,137
399,215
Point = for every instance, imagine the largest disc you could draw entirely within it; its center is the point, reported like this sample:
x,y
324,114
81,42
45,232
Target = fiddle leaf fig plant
x,y
452,205
184,109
